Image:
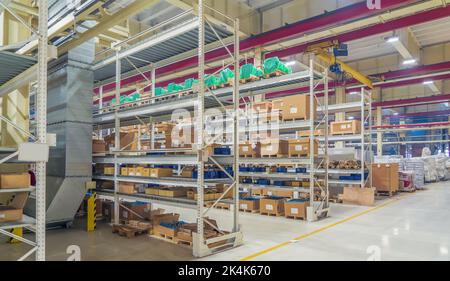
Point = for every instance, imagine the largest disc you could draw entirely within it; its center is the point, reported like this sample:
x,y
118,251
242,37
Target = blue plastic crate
x,y
279,183
222,151
298,200
250,198
263,182
300,170
282,170
247,181
244,169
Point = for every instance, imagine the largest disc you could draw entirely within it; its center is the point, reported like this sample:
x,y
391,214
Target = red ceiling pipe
x,y
418,100
336,17
422,114
430,124
372,30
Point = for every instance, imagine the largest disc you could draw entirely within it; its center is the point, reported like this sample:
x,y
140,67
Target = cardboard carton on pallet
x,y
128,140
250,149
249,204
272,206
296,208
301,147
295,107
385,177
164,128
274,148
350,127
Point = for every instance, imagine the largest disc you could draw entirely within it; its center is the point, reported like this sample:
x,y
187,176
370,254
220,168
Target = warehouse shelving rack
x,y
197,156
316,75
36,225
362,139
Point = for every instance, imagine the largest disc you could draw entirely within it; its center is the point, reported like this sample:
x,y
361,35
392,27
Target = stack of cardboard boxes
x,y
12,178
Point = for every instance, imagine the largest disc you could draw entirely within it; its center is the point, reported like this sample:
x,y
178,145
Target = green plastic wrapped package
x,y
249,70
226,75
211,81
189,83
160,92
271,65
173,87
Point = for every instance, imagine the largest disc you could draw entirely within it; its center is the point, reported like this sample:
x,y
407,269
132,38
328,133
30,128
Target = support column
x,y
341,97
379,134
258,62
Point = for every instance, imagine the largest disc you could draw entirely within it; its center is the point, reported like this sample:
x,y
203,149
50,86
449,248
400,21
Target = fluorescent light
x,y
396,113
353,93
428,82
290,63
446,104
392,39
410,61
350,118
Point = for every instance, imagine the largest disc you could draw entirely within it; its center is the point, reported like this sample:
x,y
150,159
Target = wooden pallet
x,y
223,206
272,214
386,193
173,240
296,218
298,155
408,190
252,78
274,156
277,73
292,119
128,231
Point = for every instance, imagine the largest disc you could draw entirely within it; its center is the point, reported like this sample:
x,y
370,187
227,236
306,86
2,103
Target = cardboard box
x,y
283,193
152,191
13,168
302,147
221,188
124,171
131,171
385,177
109,171
11,181
187,172
135,211
359,196
172,192
164,128
350,127
99,146
160,172
139,171
275,147
14,211
272,205
146,172
263,107
295,107
295,208
249,205
127,188
127,140
208,195
250,149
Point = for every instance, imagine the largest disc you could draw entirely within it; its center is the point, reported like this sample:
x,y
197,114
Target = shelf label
x,y
269,207
298,147
294,110
294,211
244,206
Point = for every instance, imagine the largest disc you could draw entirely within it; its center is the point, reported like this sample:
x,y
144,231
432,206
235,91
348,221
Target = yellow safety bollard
x,y
92,213
16,231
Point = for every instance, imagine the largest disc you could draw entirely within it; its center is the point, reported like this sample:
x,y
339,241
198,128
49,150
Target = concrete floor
x,y
406,227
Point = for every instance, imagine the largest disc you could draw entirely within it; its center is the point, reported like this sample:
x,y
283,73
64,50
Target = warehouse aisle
x,y
408,227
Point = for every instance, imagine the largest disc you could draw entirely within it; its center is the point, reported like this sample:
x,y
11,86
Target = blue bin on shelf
x,y
263,182
300,170
282,170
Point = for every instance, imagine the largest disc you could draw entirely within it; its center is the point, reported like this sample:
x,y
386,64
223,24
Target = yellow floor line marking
x,y
322,229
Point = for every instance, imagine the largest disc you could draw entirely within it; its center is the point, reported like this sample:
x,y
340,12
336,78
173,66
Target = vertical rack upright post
x,y
41,126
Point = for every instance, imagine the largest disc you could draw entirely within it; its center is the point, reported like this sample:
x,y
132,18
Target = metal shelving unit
x,y
362,139
197,156
38,224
